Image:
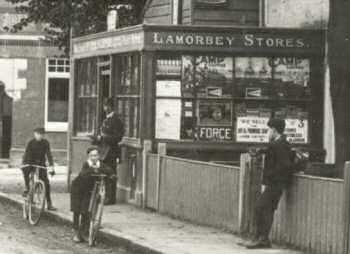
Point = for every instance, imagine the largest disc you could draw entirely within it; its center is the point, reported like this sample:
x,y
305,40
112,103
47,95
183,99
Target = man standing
x,y
111,133
276,176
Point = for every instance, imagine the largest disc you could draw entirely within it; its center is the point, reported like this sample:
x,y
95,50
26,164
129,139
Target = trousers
x,y
81,222
111,184
265,209
42,176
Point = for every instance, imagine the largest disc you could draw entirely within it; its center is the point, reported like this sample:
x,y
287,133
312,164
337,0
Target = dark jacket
x,y
278,164
36,153
83,185
112,132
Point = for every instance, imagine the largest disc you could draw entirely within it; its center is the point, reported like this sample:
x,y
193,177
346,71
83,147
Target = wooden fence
x,y
204,193
313,214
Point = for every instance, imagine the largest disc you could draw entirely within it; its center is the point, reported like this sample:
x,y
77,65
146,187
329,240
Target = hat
x,y
39,130
278,124
91,148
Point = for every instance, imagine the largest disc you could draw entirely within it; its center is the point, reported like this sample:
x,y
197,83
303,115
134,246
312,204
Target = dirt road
x,y
17,237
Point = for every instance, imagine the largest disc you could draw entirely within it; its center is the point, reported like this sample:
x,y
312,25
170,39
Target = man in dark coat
x,y
81,190
111,133
276,176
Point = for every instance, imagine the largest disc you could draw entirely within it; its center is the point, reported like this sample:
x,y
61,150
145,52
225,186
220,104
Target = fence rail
x,y
313,214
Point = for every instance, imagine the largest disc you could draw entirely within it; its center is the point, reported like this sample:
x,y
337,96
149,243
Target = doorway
x,y
5,123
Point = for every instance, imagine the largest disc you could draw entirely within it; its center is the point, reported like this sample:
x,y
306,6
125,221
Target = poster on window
x,y
297,130
168,88
168,119
214,113
252,129
253,68
188,75
293,70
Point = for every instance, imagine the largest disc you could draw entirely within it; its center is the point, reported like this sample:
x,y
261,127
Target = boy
x,y
81,190
276,176
36,152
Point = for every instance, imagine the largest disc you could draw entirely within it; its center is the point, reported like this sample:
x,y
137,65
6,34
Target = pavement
x,y
140,231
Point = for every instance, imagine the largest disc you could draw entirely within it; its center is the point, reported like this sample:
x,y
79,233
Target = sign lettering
x,y
215,133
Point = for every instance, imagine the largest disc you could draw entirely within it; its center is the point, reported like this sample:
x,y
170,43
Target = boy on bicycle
x,y
36,152
81,190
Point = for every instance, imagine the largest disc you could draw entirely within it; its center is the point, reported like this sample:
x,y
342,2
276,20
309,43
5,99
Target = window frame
x,y
51,126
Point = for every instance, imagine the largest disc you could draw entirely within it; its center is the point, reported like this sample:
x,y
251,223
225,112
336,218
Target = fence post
x,y
243,187
346,207
161,152
250,184
147,147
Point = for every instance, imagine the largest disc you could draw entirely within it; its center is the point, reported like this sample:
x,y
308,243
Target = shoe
x,y
25,193
51,208
77,238
261,244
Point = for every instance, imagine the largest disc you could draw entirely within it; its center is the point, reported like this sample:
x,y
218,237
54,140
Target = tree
x,y
59,17
339,64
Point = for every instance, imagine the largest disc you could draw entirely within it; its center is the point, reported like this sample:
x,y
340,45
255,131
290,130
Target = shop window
x,y
86,97
127,69
220,98
57,95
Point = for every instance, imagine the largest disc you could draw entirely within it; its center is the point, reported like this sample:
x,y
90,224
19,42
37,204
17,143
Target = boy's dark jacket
x,y
278,168
83,185
36,153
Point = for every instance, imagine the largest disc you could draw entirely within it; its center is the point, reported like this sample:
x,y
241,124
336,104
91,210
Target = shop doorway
x,y
5,123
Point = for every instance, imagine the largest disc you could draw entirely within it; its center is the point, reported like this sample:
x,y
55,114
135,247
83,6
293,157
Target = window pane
x,y
58,90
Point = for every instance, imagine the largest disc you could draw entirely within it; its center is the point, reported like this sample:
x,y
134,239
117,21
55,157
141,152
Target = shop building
x,y
207,92
35,84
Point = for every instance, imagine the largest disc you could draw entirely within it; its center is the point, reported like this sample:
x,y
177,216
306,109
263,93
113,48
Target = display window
x,y
228,98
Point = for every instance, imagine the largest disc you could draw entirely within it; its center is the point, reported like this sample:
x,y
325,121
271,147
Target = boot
x,y
77,237
50,207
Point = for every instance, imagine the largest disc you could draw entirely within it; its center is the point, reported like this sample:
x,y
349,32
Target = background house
x,y
36,80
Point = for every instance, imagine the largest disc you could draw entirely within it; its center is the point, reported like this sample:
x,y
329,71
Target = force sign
x,y
215,133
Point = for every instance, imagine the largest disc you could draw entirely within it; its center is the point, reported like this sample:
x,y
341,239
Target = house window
x,y
57,94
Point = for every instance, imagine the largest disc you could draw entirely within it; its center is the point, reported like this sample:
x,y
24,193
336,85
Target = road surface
x,y
18,237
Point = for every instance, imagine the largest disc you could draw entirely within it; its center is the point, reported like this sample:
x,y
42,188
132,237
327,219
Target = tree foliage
x,y
84,16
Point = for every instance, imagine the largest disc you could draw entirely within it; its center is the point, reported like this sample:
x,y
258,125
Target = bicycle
x,y
96,207
34,202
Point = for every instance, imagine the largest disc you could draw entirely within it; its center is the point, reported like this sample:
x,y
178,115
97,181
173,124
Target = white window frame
x,y
175,12
54,126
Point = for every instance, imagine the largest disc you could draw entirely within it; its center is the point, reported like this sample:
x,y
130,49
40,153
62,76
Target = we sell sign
x,y
252,129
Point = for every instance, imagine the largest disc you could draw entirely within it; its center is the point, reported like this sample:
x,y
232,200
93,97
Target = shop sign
x,y
252,129
297,131
112,42
229,40
253,92
215,133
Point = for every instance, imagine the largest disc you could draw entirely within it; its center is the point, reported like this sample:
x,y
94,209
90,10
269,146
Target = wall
x,y
237,12
158,12
26,85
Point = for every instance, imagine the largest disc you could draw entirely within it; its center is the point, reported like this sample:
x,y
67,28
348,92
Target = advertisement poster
x,y
252,129
253,67
168,88
297,131
169,67
215,113
168,119
293,70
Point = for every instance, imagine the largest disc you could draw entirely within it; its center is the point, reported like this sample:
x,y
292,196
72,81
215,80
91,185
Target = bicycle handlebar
x,y
33,166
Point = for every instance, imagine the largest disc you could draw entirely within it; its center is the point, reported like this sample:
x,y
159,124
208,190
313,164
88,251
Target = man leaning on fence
x,y
276,176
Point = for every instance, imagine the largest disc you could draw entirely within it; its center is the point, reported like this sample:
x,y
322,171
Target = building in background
x,y
36,81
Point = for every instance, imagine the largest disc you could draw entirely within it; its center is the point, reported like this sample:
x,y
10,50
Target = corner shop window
x,y
86,96
220,98
128,92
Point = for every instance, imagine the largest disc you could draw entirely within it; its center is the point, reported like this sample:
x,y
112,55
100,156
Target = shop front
x,y
206,92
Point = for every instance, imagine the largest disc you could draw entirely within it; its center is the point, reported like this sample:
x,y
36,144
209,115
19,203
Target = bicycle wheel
x,y
36,202
94,221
